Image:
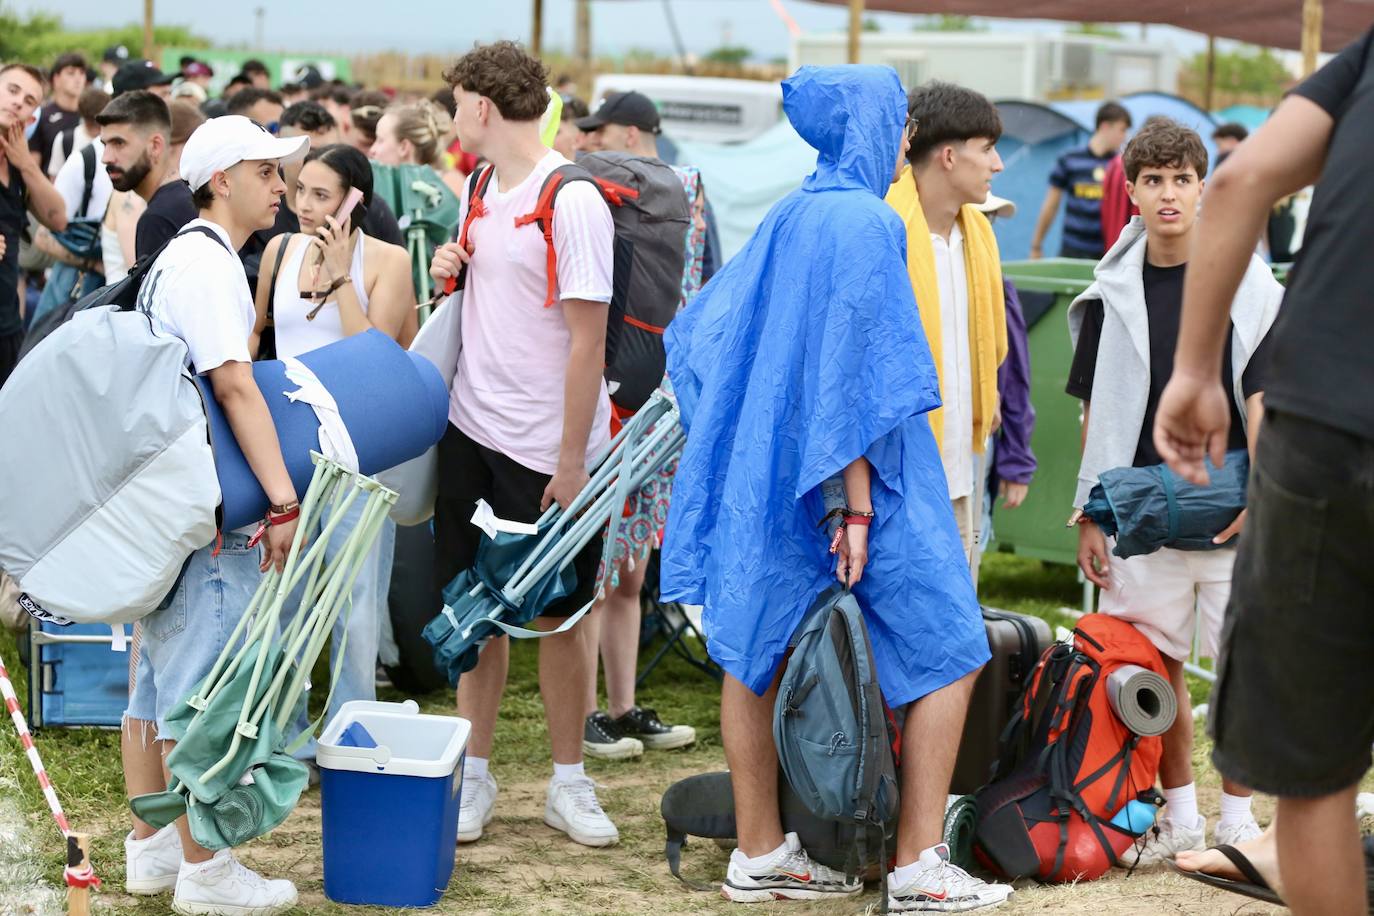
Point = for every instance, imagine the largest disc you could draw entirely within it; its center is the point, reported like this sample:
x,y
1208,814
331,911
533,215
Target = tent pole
x,y
1210,89
1311,35
856,24
147,29
583,45
537,28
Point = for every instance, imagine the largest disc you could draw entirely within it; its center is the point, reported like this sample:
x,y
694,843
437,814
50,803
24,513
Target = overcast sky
x,y
453,25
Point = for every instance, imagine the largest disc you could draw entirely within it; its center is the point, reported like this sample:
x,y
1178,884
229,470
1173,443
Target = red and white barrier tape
x,y
12,704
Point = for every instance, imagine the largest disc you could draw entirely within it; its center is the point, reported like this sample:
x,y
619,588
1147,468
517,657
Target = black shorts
x,y
1293,709
468,472
9,354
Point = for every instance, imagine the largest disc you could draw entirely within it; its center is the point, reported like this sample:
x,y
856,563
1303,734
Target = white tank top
x,y
116,265
295,334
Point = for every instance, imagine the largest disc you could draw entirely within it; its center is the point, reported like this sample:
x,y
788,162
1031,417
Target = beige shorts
x,y
1168,593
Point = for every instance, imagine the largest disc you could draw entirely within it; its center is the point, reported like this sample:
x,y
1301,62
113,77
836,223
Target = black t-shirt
x,y
1164,308
53,122
1322,368
169,209
14,201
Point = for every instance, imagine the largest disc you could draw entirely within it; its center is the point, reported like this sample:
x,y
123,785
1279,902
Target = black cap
x,y
138,74
632,109
115,54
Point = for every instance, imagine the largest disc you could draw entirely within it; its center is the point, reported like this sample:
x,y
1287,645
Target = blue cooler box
x,y
75,676
390,785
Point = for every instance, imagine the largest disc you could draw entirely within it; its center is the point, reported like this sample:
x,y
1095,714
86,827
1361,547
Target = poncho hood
x,y
854,117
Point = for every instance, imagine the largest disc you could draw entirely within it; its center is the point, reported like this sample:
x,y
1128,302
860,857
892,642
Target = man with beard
x,y
23,189
136,129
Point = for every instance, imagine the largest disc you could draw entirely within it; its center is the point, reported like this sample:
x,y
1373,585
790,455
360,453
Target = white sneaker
x,y
476,809
943,887
790,875
151,865
1231,834
225,887
1163,842
572,808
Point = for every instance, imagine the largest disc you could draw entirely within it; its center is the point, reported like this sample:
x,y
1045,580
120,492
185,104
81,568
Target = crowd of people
x,y
271,238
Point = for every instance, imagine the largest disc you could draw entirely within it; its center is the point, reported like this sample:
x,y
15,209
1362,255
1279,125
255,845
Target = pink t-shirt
x,y
508,392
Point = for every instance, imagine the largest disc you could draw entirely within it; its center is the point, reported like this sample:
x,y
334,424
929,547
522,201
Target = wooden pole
x,y
583,48
856,26
1311,35
148,30
1209,90
78,860
537,28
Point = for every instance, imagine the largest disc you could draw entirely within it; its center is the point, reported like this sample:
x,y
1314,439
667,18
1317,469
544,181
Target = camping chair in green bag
x,y
231,770
427,212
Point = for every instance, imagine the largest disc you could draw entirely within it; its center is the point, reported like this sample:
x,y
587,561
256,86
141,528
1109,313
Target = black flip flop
x,y
1254,886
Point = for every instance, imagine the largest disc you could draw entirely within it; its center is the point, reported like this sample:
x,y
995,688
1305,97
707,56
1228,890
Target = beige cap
x,y
998,206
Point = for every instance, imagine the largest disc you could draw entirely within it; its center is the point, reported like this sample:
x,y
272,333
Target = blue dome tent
x,y
1035,135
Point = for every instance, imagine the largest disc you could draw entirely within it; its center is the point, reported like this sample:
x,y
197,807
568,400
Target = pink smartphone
x,y
352,200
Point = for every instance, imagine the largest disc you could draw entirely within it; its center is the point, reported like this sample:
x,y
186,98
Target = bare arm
x,y
1048,211
1283,156
853,547
391,300
45,201
581,389
256,435
125,222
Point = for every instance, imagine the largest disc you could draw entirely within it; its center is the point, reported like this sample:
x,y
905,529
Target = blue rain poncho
x,y
805,352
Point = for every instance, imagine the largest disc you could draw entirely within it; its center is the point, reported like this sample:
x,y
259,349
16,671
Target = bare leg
x,y
563,661
591,627
1320,856
746,730
619,639
191,851
479,694
929,747
142,757
1176,765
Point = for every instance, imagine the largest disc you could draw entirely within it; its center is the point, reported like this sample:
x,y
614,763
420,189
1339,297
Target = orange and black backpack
x,y
1067,764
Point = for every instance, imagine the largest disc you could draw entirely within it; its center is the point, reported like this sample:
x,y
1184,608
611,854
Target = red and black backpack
x,y
651,216
1067,764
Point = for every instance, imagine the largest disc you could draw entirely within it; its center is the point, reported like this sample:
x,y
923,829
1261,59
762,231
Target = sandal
x,y
1254,886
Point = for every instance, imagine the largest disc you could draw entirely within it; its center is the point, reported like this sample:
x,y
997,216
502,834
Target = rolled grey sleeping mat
x,y
1142,700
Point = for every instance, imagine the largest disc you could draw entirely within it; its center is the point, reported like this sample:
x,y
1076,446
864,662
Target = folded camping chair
x,y
427,210
232,773
670,621
517,575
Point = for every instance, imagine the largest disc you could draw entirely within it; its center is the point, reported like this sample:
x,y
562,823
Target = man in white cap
x,y
197,291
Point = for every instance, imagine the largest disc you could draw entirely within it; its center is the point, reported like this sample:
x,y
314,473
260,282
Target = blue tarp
x,y
1035,135
1252,116
804,353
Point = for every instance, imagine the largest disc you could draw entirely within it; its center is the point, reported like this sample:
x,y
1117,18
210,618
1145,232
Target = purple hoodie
x,y
1013,460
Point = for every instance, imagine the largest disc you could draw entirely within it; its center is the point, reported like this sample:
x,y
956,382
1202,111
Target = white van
x,y
702,108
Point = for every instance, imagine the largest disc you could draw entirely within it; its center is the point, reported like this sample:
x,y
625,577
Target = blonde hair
x,y
426,125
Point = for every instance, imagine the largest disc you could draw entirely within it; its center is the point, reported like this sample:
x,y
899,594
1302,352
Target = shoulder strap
x,y
144,264
276,268
88,170
542,216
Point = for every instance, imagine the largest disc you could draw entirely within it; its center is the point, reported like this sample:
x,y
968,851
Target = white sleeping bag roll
x,y
108,481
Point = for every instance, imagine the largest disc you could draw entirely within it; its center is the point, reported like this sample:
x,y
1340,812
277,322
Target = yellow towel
x,y
987,323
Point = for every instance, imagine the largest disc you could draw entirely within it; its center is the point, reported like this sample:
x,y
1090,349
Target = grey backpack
x,y
835,736
651,216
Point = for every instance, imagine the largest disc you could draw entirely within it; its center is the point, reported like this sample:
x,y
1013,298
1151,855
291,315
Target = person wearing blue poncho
x,y
804,360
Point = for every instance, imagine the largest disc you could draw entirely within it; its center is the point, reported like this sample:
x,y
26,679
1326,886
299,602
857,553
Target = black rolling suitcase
x,y
1017,642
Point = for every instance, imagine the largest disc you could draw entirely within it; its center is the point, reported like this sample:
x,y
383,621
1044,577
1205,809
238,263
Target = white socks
x,y
475,768
763,861
1235,809
928,859
1180,805
566,772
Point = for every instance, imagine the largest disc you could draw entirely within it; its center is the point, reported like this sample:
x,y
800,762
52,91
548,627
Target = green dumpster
x,y
1036,528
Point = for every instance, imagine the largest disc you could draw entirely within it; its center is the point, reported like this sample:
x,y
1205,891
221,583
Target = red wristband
x,y
862,520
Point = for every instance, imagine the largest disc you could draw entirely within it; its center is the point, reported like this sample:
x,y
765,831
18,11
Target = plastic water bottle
x,y
1136,817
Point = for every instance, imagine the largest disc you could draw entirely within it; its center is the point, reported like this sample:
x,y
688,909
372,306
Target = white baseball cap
x,y
998,206
222,143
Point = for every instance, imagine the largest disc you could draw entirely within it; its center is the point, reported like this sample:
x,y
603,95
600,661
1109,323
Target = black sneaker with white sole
x,y
643,723
602,738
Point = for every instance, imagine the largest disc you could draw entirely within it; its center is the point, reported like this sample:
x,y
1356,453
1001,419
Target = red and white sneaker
x,y
789,875
940,886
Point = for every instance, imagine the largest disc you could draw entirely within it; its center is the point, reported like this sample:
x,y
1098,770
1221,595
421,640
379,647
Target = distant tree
x,y
1247,71
871,25
730,55
947,22
1095,28
39,37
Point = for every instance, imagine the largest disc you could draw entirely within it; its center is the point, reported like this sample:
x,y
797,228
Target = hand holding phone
x,y
351,200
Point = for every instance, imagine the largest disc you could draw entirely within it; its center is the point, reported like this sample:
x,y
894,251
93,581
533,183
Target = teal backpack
x,y
837,741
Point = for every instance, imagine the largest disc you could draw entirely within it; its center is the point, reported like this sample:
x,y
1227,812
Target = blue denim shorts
x,y
182,640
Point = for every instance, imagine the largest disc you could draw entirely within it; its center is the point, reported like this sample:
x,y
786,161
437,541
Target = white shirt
x,y
197,291
71,184
80,140
956,451
296,334
508,392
